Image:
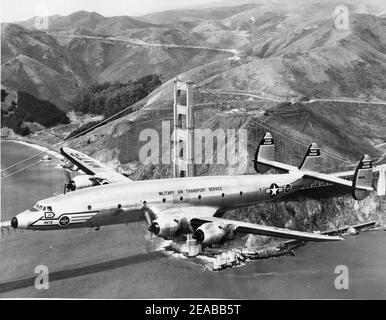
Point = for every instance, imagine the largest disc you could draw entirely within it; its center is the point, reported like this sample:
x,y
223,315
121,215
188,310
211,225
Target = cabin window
x,y
241,193
119,206
223,195
199,197
164,200
49,208
44,208
182,199
89,207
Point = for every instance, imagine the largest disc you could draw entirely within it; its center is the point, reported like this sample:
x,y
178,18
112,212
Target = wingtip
x,y
5,224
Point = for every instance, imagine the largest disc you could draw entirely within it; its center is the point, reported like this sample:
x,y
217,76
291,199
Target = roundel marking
x,y
273,190
63,221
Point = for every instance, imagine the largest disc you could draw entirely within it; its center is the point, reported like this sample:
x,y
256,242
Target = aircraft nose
x,y
14,223
23,220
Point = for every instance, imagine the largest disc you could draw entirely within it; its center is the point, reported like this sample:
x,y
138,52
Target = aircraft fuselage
x,y
123,203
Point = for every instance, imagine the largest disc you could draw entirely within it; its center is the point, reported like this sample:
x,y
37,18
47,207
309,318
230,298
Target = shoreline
x,y
36,146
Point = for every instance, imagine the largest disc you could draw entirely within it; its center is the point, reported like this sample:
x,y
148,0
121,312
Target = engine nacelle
x,y
164,227
210,233
81,182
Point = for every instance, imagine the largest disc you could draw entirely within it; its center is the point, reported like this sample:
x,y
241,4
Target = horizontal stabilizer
x,y
332,179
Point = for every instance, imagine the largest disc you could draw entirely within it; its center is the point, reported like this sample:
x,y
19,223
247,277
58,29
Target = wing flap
x,y
252,228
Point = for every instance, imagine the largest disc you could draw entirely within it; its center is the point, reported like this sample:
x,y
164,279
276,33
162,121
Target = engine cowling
x,y
164,227
210,233
81,182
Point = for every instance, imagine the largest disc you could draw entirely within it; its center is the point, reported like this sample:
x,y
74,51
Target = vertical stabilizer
x,y
381,185
363,178
312,160
265,150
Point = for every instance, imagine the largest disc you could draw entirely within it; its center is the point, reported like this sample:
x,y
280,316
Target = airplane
x,y
189,205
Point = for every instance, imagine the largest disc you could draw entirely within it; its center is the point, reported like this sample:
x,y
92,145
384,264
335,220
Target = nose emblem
x,y
14,223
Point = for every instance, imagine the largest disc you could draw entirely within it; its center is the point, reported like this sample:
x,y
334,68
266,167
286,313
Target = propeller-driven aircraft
x,y
190,205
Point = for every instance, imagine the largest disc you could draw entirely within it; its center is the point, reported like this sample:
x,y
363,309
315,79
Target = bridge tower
x,y
183,149
183,133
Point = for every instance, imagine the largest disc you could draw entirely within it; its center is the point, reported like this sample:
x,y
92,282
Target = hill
x,y
92,22
56,66
23,111
192,16
34,62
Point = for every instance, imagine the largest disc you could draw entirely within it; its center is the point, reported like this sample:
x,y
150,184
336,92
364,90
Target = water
x,y
121,262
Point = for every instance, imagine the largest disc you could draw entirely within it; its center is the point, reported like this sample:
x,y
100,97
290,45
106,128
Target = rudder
x,y
363,177
265,150
312,159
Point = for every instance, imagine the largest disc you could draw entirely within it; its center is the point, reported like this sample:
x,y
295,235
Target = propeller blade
x,y
68,176
68,185
148,218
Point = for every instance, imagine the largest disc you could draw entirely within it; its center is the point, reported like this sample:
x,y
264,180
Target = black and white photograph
x,y
201,149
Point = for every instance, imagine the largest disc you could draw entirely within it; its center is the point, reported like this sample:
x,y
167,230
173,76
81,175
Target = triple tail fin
x,y
363,178
312,159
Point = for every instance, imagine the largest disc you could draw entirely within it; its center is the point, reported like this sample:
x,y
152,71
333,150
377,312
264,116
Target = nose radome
x,y
14,223
25,219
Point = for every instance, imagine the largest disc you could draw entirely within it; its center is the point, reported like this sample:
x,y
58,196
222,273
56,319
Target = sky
x,y
20,10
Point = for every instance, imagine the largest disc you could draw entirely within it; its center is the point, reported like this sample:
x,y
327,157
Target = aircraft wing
x,y
197,216
253,228
5,225
333,179
91,166
182,211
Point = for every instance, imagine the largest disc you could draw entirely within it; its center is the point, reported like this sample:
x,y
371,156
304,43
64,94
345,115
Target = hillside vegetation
x,y
29,109
109,98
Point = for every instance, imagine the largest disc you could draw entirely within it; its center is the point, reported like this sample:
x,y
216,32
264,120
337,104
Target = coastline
x,y
36,146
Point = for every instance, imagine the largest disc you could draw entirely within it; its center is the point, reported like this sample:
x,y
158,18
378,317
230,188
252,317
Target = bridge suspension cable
x,y
214,98
21,170
86,131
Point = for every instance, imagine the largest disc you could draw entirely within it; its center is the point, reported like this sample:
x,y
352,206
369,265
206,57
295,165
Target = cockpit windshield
x,y
39,206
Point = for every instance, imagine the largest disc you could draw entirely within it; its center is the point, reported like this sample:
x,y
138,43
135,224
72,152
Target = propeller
x,y
69,185
149,220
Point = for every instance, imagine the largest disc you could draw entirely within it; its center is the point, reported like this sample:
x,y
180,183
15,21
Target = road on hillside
x,y
138,42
